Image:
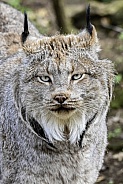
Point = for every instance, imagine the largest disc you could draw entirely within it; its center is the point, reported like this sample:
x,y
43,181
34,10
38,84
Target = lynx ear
x,y
26,32
27,40
88,23
89,35
90,29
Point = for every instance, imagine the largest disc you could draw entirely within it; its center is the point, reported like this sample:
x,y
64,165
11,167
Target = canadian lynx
x,y
54,97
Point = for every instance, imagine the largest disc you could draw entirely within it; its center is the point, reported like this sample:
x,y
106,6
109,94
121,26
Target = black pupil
x,y
76,76
46,78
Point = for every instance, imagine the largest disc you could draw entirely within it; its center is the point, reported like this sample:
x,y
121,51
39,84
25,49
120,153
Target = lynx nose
x,y
60,98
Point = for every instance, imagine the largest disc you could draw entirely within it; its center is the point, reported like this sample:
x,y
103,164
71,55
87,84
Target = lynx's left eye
x,y
78,76
44,79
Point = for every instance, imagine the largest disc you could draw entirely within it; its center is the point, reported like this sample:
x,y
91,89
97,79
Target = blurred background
x,y
69,16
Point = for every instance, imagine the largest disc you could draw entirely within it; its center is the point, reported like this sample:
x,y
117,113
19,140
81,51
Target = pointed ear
x,y
90,28
88,22
27,40
26,32
89,34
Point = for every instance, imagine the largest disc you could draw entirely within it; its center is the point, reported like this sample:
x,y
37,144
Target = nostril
x,y
60,98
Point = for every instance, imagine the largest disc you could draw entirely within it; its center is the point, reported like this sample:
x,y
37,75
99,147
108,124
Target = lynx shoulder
x,y
11,26
54,98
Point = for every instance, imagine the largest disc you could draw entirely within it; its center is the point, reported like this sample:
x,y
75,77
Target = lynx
x,y
54,97
11,27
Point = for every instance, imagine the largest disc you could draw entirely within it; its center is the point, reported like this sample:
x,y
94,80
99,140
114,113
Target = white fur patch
x,y
54,127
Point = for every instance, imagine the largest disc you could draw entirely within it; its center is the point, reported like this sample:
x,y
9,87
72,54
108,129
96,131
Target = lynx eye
x,y
44,79
78,76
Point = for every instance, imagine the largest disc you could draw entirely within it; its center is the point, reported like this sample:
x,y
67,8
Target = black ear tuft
x,y
89,25
26,32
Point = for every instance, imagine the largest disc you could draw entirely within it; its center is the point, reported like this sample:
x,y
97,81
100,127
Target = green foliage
x,y
115,133
121,36
17,4
118,78
117,101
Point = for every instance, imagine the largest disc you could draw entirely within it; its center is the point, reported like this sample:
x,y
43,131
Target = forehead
x,y
52,45
60,52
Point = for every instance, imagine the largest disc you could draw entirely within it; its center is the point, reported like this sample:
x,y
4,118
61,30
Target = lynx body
x,y
54,97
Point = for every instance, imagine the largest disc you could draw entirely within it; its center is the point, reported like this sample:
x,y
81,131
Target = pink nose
x,y
60,98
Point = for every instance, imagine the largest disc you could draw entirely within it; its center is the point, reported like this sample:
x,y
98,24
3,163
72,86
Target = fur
x,y
54,97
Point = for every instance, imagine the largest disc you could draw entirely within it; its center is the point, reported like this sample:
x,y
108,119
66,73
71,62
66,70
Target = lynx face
x,y
63,85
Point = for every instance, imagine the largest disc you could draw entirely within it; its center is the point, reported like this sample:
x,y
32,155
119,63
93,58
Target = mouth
x,y
62,109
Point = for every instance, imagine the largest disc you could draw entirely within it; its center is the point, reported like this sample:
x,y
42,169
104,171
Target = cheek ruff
x,y
50,128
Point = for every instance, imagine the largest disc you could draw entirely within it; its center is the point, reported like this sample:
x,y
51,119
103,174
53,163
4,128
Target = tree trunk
x,y
61,19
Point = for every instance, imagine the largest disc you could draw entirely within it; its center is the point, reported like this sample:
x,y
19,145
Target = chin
x,y
55,122
64,114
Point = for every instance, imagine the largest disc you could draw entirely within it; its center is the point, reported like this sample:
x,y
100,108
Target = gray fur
x,y
59,157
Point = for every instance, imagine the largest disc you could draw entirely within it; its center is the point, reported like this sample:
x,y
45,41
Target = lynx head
x,y
63,86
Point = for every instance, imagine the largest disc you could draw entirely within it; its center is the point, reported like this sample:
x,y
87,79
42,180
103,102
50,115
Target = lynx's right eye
x,y
78,76
44,79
